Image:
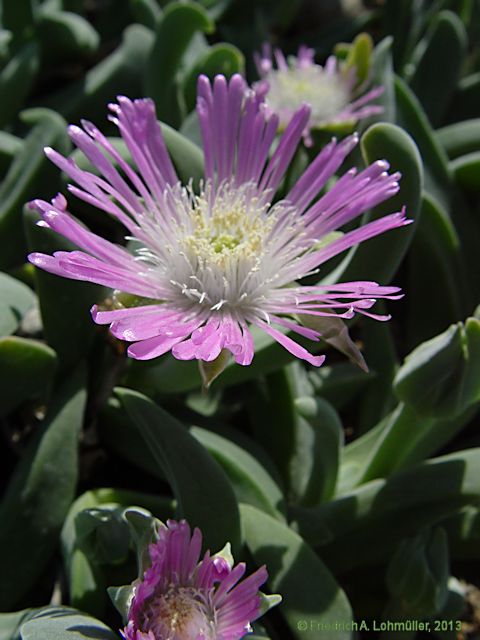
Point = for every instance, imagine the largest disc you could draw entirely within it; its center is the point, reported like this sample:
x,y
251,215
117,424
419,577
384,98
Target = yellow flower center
x,y
227,231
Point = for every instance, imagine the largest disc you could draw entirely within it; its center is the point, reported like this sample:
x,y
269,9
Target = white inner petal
x,y
223,250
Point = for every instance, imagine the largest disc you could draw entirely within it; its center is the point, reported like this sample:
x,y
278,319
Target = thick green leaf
x,y
165,376
465,217
251,482
216,8
117,73
62,623
378,259
311,597
27,368
5,41
71,331
466,102
442,376
146,12
315,460
434,303
401,440
174,32
379,348
111,17
15,300
437,61
40,493
307,433
66,34
206,500
191,129
221,58
359,57
19,18
417,575
357,454
466,170
463,533
27,178
367,522
460,138
10,146
411,117
272,402
382,75
10,623
118,433
142,529
396,17
16,81
86,584
429,438
103,535
86,580
339,383
160,506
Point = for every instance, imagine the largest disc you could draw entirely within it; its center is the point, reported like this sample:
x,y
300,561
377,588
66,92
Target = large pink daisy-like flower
x,y
213,263
182,598
332,93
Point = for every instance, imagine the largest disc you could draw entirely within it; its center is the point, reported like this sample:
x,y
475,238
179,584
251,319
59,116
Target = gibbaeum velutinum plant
x,y
184,598
216,262
332,91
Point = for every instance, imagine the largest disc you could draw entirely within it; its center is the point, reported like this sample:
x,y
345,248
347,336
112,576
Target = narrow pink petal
x,y
139,128
286,148
370,230
290,345
220,133
185,350
361,234
366,97
191,559
320,170
246,356
228,583
152,348
68,227
81,266
149,325
50,264
103,164
107,317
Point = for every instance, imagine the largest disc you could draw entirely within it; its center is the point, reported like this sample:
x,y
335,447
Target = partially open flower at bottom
x,y
184,598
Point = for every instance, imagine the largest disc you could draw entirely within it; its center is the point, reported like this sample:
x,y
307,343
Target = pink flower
x,y
213,263
331,93
182,598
